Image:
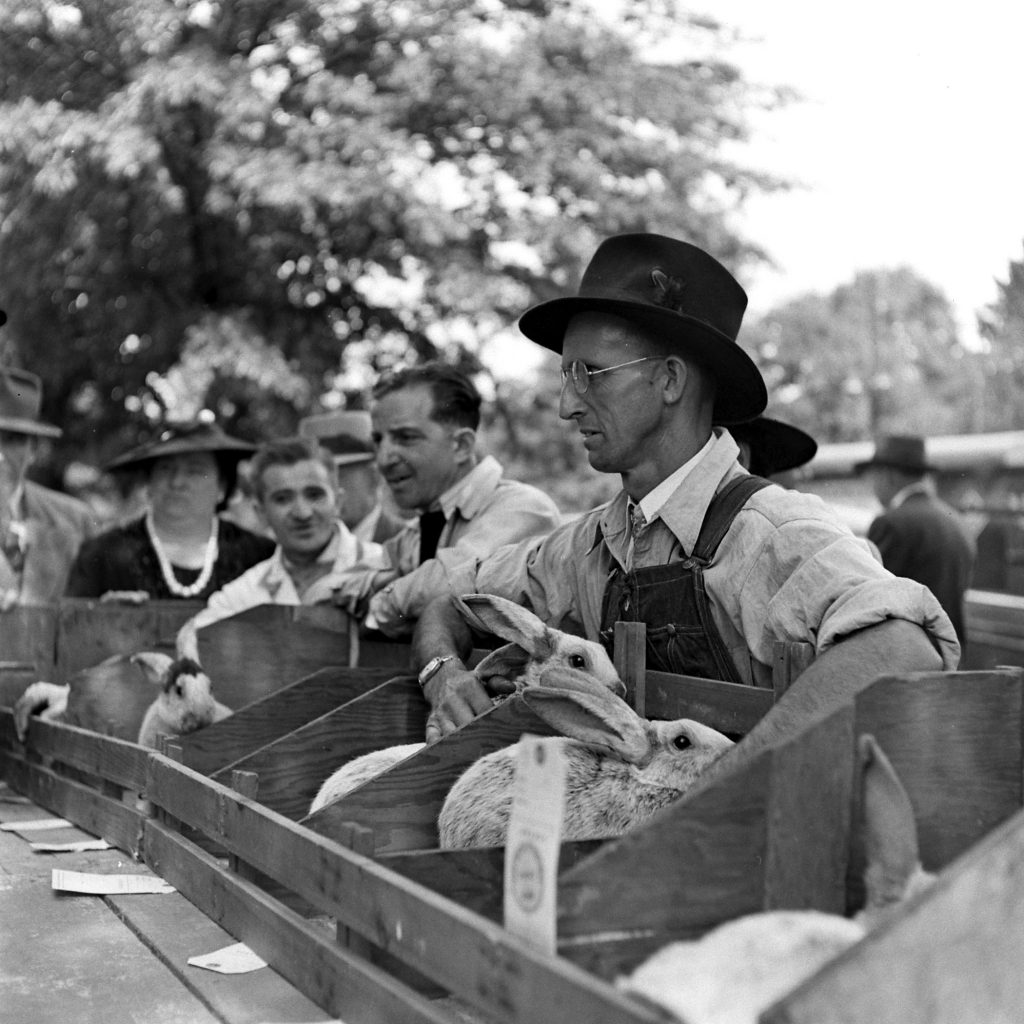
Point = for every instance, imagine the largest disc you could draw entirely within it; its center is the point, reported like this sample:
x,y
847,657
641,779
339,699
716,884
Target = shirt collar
x,y
917,487
277,565
683,510
652,502
468,495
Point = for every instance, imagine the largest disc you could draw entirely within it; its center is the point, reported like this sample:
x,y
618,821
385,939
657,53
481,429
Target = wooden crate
x,y
772,832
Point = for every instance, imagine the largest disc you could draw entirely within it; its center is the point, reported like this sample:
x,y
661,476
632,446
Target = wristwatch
x,y
432,667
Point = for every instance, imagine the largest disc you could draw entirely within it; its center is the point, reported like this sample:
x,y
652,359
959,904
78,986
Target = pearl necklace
x,y
167,569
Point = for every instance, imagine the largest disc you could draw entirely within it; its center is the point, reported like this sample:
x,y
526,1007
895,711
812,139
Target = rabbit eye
x,y
682,742
577,661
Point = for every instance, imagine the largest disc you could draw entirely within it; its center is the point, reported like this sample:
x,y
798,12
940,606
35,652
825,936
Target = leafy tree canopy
x,y
235,204
879,354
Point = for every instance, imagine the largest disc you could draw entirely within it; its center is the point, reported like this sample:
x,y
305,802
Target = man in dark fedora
x,y
348,436
769,446
40,529
918,535
718,564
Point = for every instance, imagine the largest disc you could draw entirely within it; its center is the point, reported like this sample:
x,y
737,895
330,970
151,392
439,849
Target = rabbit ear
x,y
890,833
597,719
154,665
509,662
510,621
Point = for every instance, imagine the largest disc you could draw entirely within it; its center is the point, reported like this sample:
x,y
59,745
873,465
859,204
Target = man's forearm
x,y
892,647
441,630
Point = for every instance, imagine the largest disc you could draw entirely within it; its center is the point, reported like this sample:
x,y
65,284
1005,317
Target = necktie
x,y
431,525
637,522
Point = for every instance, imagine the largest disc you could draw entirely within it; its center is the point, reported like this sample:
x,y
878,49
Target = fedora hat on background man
x,y
774,446
898,451
21,398
681,294
347,435
182,439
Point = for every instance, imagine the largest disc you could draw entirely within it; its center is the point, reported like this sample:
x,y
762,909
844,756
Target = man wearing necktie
x,y
425,421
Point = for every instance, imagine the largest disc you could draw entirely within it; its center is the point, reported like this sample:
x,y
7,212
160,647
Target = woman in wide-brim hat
x,y
180,548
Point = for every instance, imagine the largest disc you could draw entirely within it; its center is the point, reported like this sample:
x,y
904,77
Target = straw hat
x,y
347,435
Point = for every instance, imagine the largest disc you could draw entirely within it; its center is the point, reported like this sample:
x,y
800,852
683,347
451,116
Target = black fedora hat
x,y
183,439
675,290
898,451
21,398
774,446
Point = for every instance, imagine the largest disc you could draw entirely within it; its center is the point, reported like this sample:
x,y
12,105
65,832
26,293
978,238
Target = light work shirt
x,y
483,512
271,582
787,570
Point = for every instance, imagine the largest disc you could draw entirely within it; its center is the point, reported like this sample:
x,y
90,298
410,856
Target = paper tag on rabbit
x,y
533,843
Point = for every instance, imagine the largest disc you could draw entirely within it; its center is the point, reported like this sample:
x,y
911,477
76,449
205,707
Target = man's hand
x,y
48,700
8,599
457,697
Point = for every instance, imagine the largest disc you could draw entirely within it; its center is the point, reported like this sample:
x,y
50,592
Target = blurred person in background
x,y
180,548
918,535
769,446
348,436
40,529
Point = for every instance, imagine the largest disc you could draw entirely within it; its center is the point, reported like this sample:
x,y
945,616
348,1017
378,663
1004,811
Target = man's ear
x,y
464,443
678,375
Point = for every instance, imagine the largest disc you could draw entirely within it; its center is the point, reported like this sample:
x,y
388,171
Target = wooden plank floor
x,y
97,959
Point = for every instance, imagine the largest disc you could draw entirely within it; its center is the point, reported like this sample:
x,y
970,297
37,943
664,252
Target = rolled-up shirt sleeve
x,y
810,580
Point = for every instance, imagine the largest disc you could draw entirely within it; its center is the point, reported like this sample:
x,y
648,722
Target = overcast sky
x,y
910,142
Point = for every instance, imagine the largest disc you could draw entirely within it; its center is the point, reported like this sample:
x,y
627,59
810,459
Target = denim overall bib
x,y
671,599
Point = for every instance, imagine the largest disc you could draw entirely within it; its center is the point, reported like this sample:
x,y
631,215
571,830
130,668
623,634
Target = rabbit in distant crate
x,y
621,769
739,968
535,655
185,702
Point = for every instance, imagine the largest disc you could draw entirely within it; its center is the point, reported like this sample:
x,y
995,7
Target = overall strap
x,y
721,512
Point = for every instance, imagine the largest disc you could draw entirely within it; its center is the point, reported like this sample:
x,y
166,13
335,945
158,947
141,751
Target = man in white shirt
x,y
296,492
425,421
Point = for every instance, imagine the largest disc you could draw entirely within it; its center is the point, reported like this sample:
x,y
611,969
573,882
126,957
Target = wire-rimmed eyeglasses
x,y
580,374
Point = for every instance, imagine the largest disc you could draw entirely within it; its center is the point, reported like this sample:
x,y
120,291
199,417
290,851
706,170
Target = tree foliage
x,y
879,354
1002,327
236,203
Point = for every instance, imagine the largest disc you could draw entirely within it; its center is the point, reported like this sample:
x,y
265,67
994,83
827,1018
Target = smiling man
x,y
296,492
718,564
425,420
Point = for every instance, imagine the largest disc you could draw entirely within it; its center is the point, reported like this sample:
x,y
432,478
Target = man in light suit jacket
x,y
918,535
40,529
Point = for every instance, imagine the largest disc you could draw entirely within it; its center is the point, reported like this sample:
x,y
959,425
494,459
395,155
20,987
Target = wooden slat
x,y
952,955
88,631
955,742
109,758
119,823
475,959
292,768
304,953
28,635
473,878
271,717
401,805
256,652
728,707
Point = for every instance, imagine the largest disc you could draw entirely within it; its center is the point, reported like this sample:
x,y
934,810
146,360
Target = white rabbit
x,y
185,702
536,655
621,769
737,970
534,646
